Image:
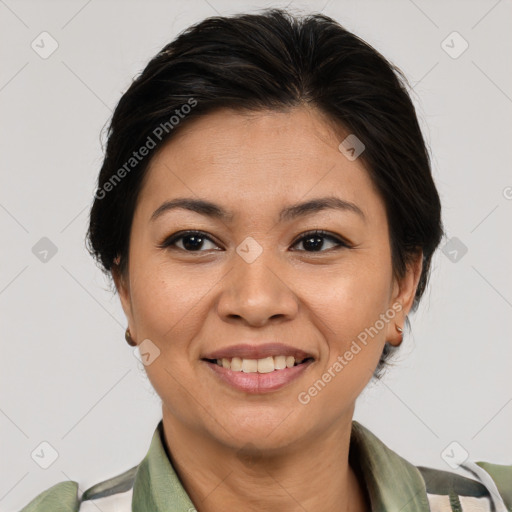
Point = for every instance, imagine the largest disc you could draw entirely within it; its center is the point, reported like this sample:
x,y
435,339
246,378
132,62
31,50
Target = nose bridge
x,y
255,290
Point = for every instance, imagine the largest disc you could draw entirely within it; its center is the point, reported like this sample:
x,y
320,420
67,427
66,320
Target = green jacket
x,y
394,485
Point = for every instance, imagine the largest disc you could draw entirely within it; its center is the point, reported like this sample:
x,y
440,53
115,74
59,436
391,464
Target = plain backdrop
x,y
69,379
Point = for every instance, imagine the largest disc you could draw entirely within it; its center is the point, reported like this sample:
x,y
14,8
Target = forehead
x,y
228,134
253,160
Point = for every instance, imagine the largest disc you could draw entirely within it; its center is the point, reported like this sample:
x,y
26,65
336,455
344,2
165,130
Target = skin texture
x,y
261,451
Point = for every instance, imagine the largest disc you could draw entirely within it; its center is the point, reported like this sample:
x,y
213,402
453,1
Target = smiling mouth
x,y
265,365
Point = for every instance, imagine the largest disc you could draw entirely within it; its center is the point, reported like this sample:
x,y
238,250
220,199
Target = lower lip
x,y
259,382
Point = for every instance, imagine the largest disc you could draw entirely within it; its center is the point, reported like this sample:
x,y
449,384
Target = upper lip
x,y
260,351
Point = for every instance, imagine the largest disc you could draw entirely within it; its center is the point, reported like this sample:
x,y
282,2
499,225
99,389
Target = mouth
x,y
263,365
258,369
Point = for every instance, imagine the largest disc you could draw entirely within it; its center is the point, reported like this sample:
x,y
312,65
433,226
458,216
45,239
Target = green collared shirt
x,y
392,483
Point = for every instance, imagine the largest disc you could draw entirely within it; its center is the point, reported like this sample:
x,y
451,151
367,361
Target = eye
x,y
314,241
192,241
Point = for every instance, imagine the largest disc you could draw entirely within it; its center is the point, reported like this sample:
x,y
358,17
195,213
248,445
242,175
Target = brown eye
x,y
194,241
314,241
191,241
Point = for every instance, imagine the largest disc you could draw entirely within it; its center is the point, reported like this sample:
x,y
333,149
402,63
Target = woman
x,y
267,212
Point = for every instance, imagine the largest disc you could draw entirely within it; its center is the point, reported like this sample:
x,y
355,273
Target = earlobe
x,y
396,326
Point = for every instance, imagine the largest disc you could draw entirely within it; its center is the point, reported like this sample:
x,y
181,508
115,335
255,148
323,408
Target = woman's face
x,y
254,286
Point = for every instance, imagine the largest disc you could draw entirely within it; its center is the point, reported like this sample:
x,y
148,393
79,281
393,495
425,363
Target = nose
x,y
256,293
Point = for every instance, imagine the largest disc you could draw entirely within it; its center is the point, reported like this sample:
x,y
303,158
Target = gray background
x,y
67,375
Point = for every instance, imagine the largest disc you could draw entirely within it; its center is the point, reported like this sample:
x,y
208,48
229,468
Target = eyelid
x,y
343,242
169,241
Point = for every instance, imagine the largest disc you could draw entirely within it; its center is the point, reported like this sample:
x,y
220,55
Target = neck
x,y
313,475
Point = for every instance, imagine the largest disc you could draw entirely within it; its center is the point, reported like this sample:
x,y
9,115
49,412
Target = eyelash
x,y
169,242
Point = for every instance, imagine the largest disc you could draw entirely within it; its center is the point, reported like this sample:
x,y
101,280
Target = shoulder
x,y
62,497
489,491
109,495
393,480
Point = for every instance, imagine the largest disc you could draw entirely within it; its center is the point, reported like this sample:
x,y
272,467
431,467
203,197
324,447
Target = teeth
x,y
236,364
280,362
265,365
249,365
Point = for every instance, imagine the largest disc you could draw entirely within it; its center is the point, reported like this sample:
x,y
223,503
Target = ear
x,y
404,291
122,283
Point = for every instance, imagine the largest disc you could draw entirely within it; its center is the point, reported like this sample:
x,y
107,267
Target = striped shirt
x,y
392,483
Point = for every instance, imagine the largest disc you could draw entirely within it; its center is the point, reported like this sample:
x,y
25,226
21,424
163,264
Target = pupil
x,y
192,242
317,242
197,241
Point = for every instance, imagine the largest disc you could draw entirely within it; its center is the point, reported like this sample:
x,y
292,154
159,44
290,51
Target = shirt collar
x,y
393,483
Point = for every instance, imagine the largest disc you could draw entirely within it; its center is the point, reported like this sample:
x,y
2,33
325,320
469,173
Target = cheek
x,y
355,336
355,297
166,301
167,310
351,310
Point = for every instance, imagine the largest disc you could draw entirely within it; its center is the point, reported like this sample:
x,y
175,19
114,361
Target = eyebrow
x,y
289,213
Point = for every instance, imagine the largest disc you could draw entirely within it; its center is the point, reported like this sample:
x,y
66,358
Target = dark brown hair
x,y
273,61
